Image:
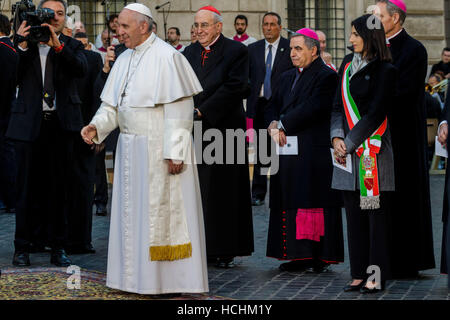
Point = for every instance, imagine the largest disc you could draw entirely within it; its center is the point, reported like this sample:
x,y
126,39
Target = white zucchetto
x,y
139,7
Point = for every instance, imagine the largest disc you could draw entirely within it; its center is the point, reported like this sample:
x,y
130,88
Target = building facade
x,y
426,23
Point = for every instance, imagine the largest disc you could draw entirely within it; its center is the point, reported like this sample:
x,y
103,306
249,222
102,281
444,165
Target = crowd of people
x,y
164,107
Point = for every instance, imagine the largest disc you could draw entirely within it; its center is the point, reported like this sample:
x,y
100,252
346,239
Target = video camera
x,y
26,10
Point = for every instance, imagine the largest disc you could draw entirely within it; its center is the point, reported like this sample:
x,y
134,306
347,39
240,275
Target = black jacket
x,y
282,63
69,64
89,95
8,64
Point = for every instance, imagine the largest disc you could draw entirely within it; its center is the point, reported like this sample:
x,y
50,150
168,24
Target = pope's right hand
x,y
88,133
23,31
443,134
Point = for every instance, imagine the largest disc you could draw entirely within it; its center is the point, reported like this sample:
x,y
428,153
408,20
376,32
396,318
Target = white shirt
x,y
274,53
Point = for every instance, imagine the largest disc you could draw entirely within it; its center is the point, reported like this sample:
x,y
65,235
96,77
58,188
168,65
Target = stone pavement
x,y
257,277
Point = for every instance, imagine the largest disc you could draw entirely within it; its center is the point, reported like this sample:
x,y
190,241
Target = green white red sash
x,y
368,169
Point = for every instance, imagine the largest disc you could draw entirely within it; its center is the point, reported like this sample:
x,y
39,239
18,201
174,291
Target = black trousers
x,y
42,180
82,179
101,183
7,172
368,236
445,249
259,183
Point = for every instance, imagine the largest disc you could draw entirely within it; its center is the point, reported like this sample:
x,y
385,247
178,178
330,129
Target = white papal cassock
x,y
149,96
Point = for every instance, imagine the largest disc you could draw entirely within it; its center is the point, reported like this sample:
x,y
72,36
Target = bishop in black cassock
x,y
221,65
445,252
411,228
305,213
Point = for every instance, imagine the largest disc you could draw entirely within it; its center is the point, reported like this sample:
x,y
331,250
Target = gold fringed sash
x,y
171,253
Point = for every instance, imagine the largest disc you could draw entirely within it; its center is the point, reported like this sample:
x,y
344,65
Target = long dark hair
x,y
371,30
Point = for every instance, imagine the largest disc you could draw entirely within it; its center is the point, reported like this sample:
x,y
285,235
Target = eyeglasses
x,y
203,25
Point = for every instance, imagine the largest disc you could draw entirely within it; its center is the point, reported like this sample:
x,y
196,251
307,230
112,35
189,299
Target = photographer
x,y
44,122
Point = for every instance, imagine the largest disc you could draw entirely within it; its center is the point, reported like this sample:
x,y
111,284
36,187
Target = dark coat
x,y
282,63
87,91
445,253
26,114
225,188
373,90
83,161
9,63
412,243
304,181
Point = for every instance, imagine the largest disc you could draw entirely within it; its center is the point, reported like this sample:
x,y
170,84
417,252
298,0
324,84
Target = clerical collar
x,y
212,43
392,37
147,43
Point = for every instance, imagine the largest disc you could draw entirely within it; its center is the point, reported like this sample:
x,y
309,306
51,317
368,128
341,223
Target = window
x,y
94,14
325,15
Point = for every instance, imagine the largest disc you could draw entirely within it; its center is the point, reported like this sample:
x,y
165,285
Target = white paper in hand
x,y
291,147
348,162
440,150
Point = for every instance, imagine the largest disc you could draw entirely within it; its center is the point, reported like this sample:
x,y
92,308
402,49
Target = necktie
x,y
49,89
267,78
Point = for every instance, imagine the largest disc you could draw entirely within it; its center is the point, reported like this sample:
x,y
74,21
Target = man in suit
x,y
44,117
411,225
305,217
83,162
221,66
8,65
269,58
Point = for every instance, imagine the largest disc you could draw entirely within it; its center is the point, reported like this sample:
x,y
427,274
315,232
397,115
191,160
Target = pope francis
x,y
156,240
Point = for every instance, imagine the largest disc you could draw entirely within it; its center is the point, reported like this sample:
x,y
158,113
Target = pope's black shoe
x,y
59,258
21,259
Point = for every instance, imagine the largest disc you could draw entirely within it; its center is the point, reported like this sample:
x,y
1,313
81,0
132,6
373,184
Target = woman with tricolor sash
x,y
359,128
